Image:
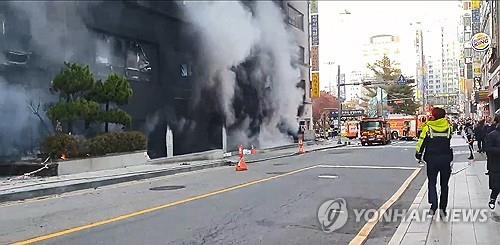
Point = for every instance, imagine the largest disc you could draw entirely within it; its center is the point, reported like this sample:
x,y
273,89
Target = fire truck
x,y
375,130
406,127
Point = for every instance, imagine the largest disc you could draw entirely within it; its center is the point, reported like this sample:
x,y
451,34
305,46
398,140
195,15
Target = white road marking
x,y
368,167
328,176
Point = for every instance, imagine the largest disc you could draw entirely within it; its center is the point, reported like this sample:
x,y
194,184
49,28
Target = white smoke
x,y
17,127
232,22
232,33
50,25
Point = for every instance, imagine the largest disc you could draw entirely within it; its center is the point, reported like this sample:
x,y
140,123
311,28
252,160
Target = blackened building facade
x,y
146,41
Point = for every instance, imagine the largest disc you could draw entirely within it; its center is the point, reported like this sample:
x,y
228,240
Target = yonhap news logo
x,y
333,214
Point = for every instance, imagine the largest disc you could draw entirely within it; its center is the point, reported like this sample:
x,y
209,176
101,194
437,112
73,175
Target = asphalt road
x,y
274,202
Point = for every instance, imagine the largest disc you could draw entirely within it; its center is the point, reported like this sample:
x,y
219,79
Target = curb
x,y
111,180
292,154
27,194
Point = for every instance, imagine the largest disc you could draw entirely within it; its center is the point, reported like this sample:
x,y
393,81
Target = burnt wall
x,y
162,91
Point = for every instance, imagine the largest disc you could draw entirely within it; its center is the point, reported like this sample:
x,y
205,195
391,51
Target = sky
x,y
342,36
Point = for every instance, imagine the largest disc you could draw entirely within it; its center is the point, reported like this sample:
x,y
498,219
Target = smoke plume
x,y
249,61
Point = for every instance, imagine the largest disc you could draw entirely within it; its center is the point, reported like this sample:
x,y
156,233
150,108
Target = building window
x,y
186,70
138,65
125,57
467,36
295,18
302,55
468,52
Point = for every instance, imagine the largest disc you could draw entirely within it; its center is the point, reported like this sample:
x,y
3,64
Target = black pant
x,y
480,145
444,170
494,183
471,149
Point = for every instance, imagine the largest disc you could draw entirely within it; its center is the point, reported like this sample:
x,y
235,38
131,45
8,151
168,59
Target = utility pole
x,y
340,106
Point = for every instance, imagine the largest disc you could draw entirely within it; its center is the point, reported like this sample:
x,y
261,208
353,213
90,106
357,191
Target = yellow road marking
x,y
149,210
362,235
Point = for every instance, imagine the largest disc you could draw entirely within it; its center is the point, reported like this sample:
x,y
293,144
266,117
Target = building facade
x,y
353,92
381,45
148,42
487,81
298,14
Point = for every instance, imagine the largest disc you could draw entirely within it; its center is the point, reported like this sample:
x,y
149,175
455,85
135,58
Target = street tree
x,y
324,101
401,97
115,90
73,83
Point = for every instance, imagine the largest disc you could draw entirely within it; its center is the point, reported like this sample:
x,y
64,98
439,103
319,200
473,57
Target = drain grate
x,y
167,188
278,173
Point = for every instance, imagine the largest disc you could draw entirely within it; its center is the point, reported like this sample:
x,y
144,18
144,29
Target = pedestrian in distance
x,y
492,149
434,145
479,134
469,137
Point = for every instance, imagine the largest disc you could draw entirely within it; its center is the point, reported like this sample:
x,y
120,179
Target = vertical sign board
x,y
476,21
314,30
476,4
315,85
314,6
314,58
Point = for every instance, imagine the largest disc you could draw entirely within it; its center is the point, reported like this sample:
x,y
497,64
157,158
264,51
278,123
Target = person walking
x,y
469,137
492,149
479,134
434,145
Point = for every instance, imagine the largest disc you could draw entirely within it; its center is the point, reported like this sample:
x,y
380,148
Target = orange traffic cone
x,y
242,165
253,151
301,146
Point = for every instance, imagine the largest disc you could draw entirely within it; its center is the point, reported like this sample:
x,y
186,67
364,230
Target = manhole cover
x,y
167,188
276,172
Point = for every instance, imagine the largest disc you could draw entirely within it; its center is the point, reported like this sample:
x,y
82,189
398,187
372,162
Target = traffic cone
x,y
301,146
242,165
253,151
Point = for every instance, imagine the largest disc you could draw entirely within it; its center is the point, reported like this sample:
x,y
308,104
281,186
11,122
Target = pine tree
x,y
401,98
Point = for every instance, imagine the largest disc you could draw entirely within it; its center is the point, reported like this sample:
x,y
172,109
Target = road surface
x,y
274,202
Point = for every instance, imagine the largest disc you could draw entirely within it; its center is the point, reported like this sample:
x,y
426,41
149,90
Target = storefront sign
x,y
315,93
314,58
480,42
314,30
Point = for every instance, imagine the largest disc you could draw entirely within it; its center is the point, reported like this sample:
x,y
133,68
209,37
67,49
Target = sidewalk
x,y
468,191
19,189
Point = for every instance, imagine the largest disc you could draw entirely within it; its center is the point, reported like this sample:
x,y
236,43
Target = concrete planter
x,y
111,161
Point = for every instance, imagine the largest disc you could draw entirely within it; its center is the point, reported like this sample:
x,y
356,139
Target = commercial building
x,y
442,52
145,41
298,15
487,82
380,45
353,92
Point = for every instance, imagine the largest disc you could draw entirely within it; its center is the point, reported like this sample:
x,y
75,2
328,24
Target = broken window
x,y
186,70
138,65
302,55
295,17
109,55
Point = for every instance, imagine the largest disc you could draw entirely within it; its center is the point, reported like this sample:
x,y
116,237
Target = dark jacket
x,y
434,141
492,148
480,132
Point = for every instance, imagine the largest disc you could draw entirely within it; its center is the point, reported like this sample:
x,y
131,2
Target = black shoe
x,y
471,158
432,212
443,212
491,204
